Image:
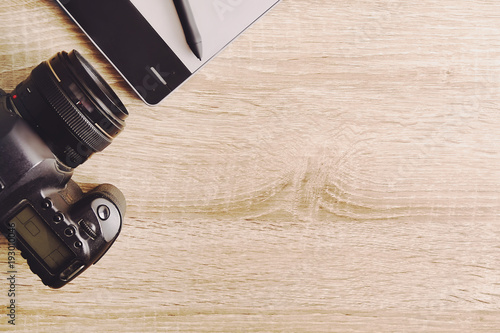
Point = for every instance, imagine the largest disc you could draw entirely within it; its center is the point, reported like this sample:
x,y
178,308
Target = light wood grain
x,y
337,168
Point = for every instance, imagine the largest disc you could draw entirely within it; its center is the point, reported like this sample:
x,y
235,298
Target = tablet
x,y
149,41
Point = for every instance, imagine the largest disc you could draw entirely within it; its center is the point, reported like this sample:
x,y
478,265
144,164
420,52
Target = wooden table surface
x,y
337,168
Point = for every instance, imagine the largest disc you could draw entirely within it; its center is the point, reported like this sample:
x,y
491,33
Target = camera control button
x,y
58,218
103,212
70,231
46,203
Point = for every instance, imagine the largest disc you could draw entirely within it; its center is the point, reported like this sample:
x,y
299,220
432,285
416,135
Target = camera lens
x,y
71,107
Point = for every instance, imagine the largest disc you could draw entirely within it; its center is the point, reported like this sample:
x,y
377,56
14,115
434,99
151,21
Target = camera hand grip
x,y
113,194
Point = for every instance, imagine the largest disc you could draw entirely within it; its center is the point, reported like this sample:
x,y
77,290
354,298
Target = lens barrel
x,y
71,107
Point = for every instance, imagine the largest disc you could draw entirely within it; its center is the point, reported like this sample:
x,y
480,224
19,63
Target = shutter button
x,y
103,212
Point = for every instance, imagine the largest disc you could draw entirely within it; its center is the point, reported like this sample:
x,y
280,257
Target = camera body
x,y
60,230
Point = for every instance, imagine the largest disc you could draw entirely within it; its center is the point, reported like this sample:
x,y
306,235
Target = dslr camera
x,y
49,124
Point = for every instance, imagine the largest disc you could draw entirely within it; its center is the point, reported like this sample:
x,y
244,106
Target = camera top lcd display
x,y
150,42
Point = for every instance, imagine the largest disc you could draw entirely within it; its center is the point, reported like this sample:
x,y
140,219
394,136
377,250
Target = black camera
x,y
51,123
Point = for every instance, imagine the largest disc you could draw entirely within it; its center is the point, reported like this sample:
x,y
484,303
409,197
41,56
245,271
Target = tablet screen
x,y
147,42
218,22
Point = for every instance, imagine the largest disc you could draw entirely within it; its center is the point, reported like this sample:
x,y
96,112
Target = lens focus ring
x,y
81,127
71,107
